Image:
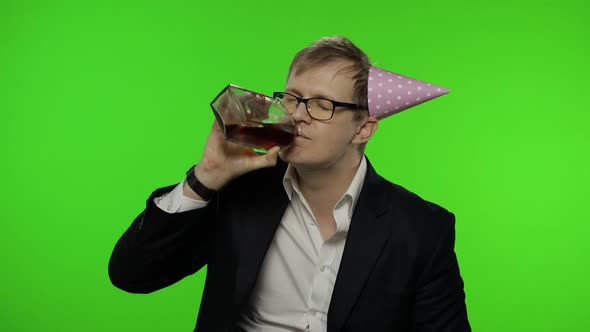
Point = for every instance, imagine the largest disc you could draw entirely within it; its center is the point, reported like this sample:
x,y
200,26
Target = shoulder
x,y
426,228
415,205
396,197
422,220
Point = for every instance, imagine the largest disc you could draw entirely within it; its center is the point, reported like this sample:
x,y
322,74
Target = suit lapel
x,y
366,237
259,219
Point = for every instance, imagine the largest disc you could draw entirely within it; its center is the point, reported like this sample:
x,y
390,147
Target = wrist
x,y
208,177
197,187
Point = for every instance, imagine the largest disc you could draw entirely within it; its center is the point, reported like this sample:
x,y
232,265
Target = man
x,y
315,241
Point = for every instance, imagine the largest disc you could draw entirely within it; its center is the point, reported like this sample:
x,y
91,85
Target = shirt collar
x,y
354,189
350,196
290,181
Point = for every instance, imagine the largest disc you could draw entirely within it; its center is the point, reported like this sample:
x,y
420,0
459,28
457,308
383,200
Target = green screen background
x,y
102,102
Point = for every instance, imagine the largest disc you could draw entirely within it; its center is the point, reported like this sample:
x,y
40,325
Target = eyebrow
x,y
297,92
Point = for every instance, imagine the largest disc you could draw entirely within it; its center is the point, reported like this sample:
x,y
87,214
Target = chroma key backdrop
x,y
102,102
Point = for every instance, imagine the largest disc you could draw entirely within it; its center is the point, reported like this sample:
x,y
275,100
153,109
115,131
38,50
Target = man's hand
x,y
223,161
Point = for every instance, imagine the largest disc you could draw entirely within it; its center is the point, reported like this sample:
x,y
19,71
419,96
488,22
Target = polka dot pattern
x,y
391,93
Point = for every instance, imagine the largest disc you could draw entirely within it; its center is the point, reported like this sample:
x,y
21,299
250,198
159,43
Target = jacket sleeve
x,y
440,299
161,248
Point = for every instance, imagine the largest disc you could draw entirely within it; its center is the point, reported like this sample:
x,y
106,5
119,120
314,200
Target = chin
x,y
294,155
307,158
303,159
288,154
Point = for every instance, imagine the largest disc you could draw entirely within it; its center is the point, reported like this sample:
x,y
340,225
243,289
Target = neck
x,y
324,187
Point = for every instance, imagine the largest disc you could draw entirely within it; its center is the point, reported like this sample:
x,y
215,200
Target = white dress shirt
x,y
297,276
176,202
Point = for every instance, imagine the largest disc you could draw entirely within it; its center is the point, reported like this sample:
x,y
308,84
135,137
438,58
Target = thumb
x,y
266,160
272,155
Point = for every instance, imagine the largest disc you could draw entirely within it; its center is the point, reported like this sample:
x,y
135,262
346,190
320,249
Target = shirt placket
x,y
317,301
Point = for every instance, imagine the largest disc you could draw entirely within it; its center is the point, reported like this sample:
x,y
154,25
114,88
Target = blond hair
x,y
329,49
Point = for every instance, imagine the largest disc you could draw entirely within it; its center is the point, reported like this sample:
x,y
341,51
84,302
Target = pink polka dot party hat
x,y
390,93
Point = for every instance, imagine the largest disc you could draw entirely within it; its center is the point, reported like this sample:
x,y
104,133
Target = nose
x,y
300,114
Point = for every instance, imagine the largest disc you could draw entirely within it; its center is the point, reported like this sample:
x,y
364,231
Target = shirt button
x,y
312,223
322,268
313,312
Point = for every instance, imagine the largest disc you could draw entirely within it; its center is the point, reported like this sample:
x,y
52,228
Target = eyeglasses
x,y
317,108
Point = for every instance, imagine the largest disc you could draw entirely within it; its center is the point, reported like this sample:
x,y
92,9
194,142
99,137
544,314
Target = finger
x,y
271,155
216,137
236,150
262,161
215,126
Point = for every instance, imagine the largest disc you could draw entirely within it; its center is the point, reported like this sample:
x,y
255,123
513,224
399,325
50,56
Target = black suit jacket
x,y
398,271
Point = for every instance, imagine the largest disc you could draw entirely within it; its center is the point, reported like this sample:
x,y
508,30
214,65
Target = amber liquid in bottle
x,y
261,135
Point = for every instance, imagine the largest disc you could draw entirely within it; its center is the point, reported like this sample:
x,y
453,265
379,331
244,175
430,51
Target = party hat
x,y
390,93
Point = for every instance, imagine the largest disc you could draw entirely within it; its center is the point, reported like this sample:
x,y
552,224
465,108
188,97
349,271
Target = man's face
x,y
322,144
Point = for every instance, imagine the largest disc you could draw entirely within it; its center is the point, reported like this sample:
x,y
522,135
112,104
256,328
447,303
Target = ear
x,y
366,129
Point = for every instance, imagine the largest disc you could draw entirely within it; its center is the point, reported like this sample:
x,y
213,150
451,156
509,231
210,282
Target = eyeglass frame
x,y
334,104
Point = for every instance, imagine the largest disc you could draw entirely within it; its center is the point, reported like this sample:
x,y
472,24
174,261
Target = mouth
x,y
299,133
